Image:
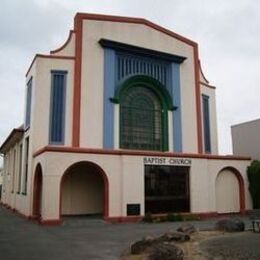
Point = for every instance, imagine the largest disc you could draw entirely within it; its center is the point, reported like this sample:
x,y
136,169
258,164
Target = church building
x,y
119,122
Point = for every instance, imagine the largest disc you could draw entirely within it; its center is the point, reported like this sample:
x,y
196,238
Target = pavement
x,y
92,238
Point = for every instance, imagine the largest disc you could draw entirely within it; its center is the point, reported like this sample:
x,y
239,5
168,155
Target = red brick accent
x,y
66,149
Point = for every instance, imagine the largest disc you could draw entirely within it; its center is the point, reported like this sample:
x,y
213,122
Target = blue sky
x,y
227,33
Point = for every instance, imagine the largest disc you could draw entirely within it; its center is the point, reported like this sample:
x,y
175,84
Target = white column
x,y
116,126
170,131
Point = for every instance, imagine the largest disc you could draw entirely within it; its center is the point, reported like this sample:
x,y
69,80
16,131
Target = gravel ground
x,y
232,246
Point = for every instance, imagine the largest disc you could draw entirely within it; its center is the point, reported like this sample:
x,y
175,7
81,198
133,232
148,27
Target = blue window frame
x,y
57,106
206,123
28,104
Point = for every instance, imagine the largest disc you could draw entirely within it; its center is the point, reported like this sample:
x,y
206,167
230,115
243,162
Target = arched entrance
x,y
230,191
37,192
84,190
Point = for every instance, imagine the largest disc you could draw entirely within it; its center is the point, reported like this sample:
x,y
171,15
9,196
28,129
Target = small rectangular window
x,y
28,104
206,123
57,107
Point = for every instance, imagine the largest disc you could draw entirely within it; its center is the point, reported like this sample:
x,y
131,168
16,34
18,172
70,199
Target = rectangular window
x,y
20,168
206,123
28,104
57,107
26,166
13,170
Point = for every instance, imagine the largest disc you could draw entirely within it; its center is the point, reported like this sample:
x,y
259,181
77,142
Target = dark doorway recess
x,y
167,189
37,193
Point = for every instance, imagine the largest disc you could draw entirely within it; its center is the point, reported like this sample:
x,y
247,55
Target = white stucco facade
x,y
103,58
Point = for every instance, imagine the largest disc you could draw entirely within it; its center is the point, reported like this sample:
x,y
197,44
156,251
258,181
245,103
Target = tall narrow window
x,y
13,170
20,168
26,166
57,109
28,104
206,123
141,120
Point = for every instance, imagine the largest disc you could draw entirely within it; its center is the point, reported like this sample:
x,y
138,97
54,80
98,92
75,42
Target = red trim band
x,y
66,149
207,85
77,83
48,57
50,222
123,19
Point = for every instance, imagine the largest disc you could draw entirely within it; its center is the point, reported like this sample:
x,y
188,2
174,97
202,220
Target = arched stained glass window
x,y
141,119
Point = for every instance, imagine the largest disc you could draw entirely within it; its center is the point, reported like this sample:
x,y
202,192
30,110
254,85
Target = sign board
x,y
167,161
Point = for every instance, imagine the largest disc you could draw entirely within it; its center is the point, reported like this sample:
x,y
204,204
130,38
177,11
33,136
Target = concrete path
x,y
76,238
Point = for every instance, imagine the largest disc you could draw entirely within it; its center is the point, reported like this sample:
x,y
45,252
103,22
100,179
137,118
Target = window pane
x,y
141,120
28,104
206,122
57,107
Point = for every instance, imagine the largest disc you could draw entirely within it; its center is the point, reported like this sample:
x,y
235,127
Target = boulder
x,y
174,236
230,225
166,251
187,229
141,246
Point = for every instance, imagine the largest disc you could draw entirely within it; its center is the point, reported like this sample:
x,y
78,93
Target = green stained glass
x,y
141,119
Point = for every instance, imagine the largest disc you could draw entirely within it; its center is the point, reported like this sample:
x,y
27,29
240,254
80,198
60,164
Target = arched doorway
x,y
230,193
37,192
84,190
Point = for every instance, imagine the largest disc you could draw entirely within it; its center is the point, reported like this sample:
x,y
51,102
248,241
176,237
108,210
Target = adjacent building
x,y
120,121
245,139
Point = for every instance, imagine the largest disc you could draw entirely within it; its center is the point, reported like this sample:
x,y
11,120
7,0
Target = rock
x,y
174,236
187,229
230,225
142,245
166,251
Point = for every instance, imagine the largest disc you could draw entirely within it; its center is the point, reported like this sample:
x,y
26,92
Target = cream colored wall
x,y
69,49
227,192
132,182
53,171
82,192
42,92
6,178
1,176
10,179
39,127
126,181
213,117
92,80
246,139
188,106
